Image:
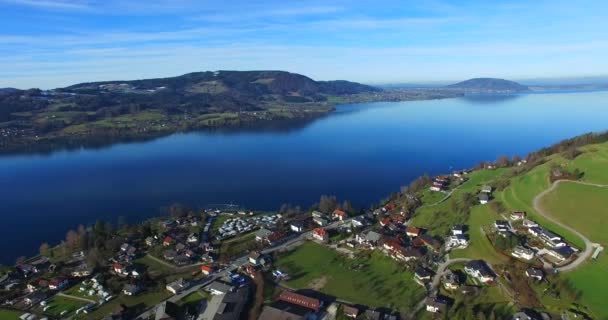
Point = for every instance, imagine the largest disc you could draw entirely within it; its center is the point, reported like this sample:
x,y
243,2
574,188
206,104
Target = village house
x,y
131,289
422,275
150,241
167,241
523,253
318,214
320,221
480,270
435,305
407,254
370,239
457,230
436,186
34,298
256,258
206,270
534,273
350,311
430,242
58,283
176,286
483,198
535,231
450,280
262,235
296,226
561,253
192,238
457,241
517,215
502,226
359,222
169,254
218,288
529,224
320,235
412,231
339,215
486,189
300,300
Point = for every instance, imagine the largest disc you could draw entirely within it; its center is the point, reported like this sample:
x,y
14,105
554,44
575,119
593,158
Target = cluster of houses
x,y
439,184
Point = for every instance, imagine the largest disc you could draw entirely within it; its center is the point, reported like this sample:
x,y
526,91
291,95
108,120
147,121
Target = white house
x,y
435,305
296,226
176,286
517,215
523,253
480,270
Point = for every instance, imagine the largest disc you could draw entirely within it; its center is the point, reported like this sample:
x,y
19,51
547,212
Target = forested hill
x,y
488,85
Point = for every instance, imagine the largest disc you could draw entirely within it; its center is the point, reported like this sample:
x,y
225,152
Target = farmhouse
x,y
436,187
480,270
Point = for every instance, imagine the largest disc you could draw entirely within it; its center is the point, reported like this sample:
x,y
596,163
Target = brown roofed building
x,y
300,300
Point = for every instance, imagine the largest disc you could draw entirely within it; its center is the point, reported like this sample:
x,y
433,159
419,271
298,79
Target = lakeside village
x,y
220,264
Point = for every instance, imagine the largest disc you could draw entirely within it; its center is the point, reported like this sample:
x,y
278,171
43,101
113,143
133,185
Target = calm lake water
x,y
361,152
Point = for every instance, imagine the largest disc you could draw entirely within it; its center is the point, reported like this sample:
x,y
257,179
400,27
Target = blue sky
x,y
53,43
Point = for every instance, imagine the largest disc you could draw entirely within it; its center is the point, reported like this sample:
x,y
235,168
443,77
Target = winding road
x,y
588,251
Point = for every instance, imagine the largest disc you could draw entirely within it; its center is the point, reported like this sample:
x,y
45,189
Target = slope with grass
x,y
375,281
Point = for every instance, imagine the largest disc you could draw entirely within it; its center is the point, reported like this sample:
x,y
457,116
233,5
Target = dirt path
x,y
61,294
588,251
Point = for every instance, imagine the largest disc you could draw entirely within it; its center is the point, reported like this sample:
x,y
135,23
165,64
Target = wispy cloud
x,y
51,4
276,13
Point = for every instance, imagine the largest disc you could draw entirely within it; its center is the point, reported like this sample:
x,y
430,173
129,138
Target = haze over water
x,y
361,153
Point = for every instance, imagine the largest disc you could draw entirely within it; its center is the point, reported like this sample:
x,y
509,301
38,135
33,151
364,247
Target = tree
x,y
20,260
122,222
44,249
71,238
502,161
328,204
347,206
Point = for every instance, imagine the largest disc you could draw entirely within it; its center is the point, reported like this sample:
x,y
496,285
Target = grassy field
x,y
154,267
376,281
585,209
59,304
9,314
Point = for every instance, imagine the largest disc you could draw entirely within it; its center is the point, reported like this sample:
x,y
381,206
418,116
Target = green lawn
x,y
376,281
10,315
59,304
154,267
585,208
141,302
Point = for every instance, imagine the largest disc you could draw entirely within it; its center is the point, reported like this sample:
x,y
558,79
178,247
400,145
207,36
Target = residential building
x,y
483,198
457,230
176,286
370,239
450,280
436,305
517,215
339,215
300,300
262,235
412,231
320,234
218,288
350,311
228,306
296,226
320,221
534,273
131,289
422,275
480,270
523,253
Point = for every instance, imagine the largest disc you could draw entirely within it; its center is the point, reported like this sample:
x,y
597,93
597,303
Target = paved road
x,y
447,196
588,251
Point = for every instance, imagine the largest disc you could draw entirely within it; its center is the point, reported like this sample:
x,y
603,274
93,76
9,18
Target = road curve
x,y
588,251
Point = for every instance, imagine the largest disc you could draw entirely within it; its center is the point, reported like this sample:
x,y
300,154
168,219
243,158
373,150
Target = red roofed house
x,y
206,270
300,300
168,241
339,214
384,221
320,234
412,231
392,244
58,283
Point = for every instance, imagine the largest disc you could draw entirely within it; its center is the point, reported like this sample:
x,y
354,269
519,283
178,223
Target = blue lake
x,y
360,152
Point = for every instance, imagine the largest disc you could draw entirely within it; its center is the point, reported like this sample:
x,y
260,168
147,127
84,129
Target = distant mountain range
x,y
488,85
